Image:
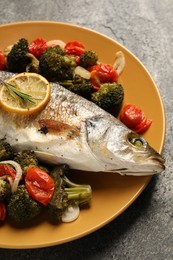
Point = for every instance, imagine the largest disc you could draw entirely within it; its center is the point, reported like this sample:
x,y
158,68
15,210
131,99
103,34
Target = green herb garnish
x,y
25,99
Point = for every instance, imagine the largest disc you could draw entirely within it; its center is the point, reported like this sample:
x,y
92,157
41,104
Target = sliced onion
x,y
119,63
53,43
10,180
18,173
71,213
2,177
82,72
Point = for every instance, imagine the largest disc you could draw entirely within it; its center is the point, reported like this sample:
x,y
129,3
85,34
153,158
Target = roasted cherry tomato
x,y
102,73
131,116
2,211
8,171
37,47
39,185
134,118
143,126
74,48
2,61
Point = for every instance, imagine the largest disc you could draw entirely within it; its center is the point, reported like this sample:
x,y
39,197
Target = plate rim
x,y
127,205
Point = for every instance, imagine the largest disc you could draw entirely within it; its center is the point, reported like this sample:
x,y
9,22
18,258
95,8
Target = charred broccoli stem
x,y
59,199
109,97
78,85
6,150
26,159
66,193
17,59
21,208
55,65
5,189
88,58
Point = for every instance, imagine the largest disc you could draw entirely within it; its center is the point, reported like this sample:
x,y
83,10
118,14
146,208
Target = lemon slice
x,y
34,88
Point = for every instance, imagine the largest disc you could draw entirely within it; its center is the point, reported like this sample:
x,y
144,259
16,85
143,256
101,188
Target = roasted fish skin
x,y
73,130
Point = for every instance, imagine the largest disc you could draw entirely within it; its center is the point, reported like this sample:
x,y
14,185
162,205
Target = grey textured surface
x,y
145,230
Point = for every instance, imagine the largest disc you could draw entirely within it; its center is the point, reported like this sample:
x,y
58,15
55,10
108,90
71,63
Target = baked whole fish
x,y
75,131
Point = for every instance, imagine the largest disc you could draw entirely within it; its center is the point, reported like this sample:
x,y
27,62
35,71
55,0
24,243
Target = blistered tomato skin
x,y
37,47
7,171
39,185
74,48
143,126
131,116
134,118
102,73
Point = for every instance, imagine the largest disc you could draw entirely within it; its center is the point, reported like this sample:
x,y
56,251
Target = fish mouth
x,y
158,159
155,166
137,173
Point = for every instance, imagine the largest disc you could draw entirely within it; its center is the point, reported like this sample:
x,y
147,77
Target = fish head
x,y
136,155
123,150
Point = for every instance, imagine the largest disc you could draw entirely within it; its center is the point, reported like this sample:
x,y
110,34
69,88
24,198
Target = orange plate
x,y
111,191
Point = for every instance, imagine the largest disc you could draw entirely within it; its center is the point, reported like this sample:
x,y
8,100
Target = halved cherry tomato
x,y
2,61
39,185
74,48
134,118
102,73
2,211
37,47
8,171
131,116
143,126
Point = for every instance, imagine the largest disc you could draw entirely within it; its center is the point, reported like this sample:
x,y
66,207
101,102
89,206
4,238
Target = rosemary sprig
x,y
25,99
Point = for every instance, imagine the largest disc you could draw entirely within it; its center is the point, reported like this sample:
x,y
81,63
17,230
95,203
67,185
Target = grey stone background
x,y
145,230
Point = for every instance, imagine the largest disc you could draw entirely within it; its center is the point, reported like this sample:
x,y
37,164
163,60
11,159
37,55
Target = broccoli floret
x,y
21,208
16,58
57,49
78,85
55,65
109,97
66,193
5,189
26,159
6,150
88,58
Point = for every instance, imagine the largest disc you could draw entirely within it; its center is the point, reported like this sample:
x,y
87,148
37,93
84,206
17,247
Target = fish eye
x,y
136,140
